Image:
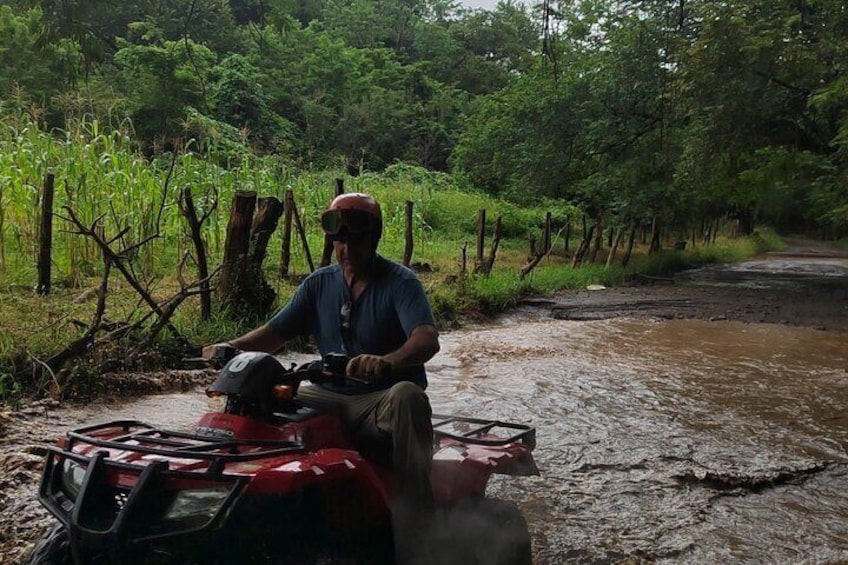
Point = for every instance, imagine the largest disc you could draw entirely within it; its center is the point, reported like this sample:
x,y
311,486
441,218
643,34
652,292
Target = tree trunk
x,y
746,222
619,234
599,238
268,212
631,240
656,244
243,290
583,248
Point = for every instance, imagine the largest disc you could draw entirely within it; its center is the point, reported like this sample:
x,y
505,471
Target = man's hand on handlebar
x,y
368,367
220,352
215,350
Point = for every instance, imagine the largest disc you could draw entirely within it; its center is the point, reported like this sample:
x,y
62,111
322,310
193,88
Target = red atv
x,y
269,480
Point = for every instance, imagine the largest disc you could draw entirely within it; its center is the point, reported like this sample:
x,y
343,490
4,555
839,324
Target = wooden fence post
x,y
45,239
496,239
285,252
327,254
243,287
407,251
188,210
481,237
299,226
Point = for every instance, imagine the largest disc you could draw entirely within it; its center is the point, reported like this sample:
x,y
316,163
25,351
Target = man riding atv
x,y
375,311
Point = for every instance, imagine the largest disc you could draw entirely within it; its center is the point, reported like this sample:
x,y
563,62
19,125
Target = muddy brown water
x,y
667,440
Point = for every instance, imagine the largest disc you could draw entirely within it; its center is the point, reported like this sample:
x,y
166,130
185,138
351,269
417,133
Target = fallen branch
x,y
82,344
117,259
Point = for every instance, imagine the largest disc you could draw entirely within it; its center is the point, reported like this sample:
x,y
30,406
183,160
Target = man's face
x,y
355,252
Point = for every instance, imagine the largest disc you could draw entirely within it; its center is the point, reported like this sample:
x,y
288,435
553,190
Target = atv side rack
x,y
482,431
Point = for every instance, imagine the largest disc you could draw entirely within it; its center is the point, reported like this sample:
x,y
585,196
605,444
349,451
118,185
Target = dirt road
x,y
806,285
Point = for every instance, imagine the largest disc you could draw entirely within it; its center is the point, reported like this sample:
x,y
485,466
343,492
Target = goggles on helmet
x,y
354,222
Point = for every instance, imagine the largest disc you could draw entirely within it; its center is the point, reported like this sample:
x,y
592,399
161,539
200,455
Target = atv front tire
x,y
54,548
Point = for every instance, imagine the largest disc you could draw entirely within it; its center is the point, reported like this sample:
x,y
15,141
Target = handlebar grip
x,y
335,364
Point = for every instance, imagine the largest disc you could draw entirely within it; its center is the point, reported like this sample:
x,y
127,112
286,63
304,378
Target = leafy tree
x,y
746,79
241,101
480,52
40,72
91,24
161,81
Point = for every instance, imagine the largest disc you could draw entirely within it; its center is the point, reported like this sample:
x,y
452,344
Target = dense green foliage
x,y
667,112
678,110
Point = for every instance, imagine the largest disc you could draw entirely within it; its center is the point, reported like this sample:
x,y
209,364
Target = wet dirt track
x,y
652,449
673,426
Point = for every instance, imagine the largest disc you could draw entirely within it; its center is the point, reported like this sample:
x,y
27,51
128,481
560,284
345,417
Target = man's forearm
x,y
419,348
262,338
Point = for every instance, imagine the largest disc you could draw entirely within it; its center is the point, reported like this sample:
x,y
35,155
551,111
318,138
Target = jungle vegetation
x,y
680,110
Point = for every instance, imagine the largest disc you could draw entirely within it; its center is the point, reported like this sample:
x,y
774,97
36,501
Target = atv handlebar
x,y
331,367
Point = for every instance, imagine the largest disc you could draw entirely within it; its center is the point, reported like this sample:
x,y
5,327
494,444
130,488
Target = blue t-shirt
x,y
381,318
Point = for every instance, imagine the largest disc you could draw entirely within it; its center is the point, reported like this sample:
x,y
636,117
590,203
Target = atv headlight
x,y
198,505
72,475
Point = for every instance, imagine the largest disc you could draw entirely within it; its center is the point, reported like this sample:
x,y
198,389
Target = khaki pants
x,y
401,413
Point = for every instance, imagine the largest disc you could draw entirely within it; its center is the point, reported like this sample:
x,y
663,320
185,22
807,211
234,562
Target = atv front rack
x,y
476,431
117,506
143,438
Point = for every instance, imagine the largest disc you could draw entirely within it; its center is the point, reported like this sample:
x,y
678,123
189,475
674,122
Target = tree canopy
x,y
634,110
